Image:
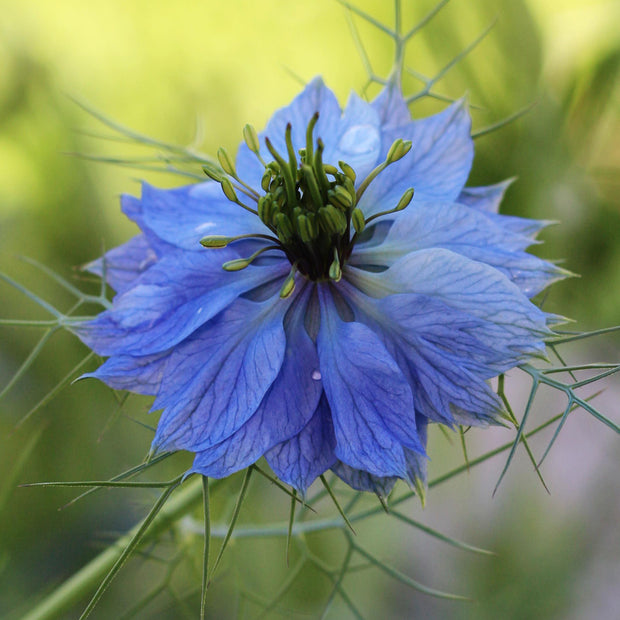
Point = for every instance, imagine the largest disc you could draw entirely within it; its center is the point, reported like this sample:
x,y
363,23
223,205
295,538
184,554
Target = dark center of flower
x,y
309,206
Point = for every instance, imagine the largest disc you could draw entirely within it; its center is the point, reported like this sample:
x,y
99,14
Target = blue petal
x,y
370,399
301,459
171,300
216,379
142,375
462,230
285,410
184,215
358,140
122,265
315,97
467,286
363,481
391,107
437,166
487,198
441,352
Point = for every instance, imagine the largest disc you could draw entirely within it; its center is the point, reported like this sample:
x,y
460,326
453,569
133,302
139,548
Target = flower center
x,y
309,206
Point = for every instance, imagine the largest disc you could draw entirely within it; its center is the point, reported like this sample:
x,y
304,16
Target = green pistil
x,y
310,207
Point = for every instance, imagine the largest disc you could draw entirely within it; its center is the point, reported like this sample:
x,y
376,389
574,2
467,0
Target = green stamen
x,y
286,173
241,263
397,151
289,284
310,206
221,241
403,203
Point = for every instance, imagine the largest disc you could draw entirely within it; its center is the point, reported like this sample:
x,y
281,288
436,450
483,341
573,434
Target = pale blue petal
x,y
370,399
285,410
467,232
487,198
464,285
391,107
171,300
216,379
442,352
183,216
315,97
142,375
437,166
521,225
301,459
358,141
124,264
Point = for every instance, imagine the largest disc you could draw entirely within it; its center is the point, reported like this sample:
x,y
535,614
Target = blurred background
x,y
193,73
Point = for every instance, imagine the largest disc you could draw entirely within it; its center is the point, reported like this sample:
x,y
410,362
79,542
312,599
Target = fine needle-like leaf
x,y
59,386
102,483
541,378
506,121
283,589
427,18
66,285
405,579
338,582
135,541
329,573
338,507
526,445
291,521
130,473
436,534
233,521
29,360
444,70
369,18
515,443
280,486
115,415
572,337
206,546
37,300
10,477
463,445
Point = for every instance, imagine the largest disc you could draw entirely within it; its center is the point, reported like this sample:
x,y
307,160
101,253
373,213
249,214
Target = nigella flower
x,y
328,315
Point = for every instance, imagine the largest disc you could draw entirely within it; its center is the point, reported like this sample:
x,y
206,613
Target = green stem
x,y
88,578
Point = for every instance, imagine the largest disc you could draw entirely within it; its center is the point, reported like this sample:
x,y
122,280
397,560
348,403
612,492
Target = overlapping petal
x,y
370,399
301,459
437,166
285,410
467,232
342,374
215,380
171,300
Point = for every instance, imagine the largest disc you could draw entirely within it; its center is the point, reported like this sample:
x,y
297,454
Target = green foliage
x,y
55,208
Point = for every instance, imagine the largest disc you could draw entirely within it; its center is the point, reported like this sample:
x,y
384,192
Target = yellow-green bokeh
x,y
194,72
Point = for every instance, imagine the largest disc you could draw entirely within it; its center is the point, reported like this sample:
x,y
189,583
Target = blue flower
x,y
332,314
